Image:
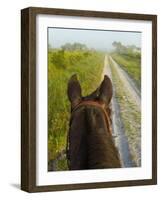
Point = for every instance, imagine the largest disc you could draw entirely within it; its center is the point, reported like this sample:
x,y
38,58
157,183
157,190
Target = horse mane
x,y
92,145
102,152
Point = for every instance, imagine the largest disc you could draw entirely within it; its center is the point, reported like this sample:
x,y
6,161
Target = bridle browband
x,y
98,105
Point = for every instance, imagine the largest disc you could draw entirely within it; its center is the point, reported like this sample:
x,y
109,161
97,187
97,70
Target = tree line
x,y
127,50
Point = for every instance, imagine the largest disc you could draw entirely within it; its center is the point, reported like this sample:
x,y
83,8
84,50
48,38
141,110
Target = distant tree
x,y
73,47
129,49
78,46
67,46
119,47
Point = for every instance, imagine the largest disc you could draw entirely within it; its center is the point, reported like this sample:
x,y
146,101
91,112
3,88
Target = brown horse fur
x,y
90,144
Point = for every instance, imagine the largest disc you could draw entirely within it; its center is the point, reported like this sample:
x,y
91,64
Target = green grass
x,y
88,66
131,64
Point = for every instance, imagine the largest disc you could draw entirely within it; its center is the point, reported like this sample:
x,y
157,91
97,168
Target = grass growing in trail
x,y
130,115
130,63
88,66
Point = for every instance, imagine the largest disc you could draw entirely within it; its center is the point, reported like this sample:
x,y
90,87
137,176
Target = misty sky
x,y
101,40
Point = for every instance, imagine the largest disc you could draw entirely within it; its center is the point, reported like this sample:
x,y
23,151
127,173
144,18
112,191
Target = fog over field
x,y
98,39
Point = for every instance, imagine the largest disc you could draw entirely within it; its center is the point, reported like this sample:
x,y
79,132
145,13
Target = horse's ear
x,y
74,90
105,91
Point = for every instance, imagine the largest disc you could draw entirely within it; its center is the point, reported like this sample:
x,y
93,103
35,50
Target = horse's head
x,y
90,139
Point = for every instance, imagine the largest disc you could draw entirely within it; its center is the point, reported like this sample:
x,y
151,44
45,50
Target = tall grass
x,y
88,66
131,63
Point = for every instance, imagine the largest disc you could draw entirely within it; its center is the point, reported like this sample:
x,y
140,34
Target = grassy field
x,y
88,66
131,63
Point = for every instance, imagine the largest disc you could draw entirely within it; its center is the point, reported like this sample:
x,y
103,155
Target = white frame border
x,y
43,177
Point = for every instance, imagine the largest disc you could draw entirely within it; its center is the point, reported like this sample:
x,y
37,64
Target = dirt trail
x,y
118,127
128,83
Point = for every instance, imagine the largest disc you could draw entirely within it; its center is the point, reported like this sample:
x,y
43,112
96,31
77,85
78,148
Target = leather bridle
x,y
98,105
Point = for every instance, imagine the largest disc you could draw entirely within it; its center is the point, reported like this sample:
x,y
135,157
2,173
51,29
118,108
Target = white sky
x,y
92,38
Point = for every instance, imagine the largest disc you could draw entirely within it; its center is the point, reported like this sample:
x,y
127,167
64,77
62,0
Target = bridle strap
x,y
99,105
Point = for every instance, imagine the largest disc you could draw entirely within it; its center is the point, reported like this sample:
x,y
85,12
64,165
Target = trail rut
x,y
119,135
